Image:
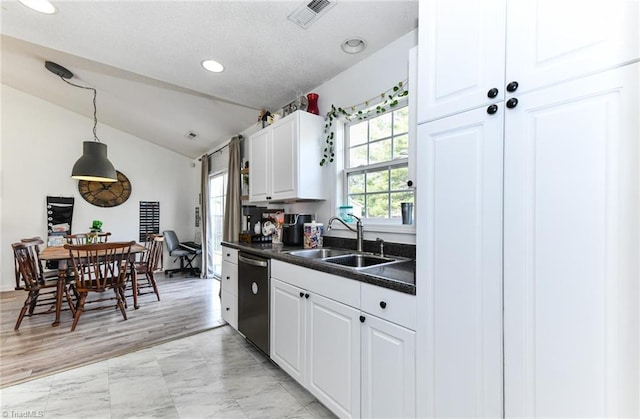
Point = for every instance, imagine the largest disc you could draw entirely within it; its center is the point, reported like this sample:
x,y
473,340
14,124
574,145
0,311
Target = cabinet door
x,y
461,55
333,339
229,278
229,305
259,165
388,370
284,159
550,41
571,249
459,279
288,323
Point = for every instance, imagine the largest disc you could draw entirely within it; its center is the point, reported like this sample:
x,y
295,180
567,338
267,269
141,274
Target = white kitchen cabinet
x,y
284,159
333,343
388,369
229,286
459,273
463,45
288,329
316,339
571,247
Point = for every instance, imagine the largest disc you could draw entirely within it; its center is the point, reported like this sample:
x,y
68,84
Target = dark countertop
x,y
398,276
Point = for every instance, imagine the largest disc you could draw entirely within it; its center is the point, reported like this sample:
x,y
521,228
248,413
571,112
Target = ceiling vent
x,y
190,135
308,13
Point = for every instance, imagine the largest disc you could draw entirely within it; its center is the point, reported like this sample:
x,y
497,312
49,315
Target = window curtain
x,y
233,209
206,270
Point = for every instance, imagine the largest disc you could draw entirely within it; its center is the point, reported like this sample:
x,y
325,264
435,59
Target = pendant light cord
x,y
95,117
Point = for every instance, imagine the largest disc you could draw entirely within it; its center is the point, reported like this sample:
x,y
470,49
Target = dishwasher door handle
x,y
254,262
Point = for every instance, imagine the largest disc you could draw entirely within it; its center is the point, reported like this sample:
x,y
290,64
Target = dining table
x,y
63,257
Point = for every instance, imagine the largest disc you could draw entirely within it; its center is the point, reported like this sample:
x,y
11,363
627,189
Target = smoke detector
x,y
308,13
191,135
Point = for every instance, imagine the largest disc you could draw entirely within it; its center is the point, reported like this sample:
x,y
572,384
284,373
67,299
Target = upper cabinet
x,y
285,160
463,45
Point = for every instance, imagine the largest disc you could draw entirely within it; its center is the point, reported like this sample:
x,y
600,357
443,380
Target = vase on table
x,y
312,107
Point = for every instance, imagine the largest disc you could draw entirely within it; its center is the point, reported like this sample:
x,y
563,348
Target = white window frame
x,y
376,224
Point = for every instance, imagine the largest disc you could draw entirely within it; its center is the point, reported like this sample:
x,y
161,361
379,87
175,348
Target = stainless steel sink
x,y
359,260
319,253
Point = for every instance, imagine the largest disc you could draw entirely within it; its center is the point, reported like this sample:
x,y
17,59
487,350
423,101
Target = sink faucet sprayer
x,y
357,230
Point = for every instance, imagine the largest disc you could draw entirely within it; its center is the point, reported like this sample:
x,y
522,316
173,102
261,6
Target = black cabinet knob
x,y
492,93
228,277
512,87
228,254
301,294
512,103
492,109
362,319
306,296
227,308
409,183
383,304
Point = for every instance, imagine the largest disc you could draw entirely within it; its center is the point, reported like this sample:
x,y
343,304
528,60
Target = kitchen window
x,y
376,166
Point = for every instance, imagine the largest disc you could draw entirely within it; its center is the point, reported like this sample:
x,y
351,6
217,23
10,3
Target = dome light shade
x,y
94,164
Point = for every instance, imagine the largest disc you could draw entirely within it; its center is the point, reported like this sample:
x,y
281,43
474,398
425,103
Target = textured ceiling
x,y
144,58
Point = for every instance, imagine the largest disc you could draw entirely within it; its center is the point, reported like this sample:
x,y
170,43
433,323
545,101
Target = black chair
x,y
186,252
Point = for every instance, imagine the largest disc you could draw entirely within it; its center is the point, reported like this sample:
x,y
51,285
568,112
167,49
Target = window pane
x,y
401,121
380,127
380,151
357,202
401,147
378,206
358,134
356,184
396,199
399,178
378,181
358,156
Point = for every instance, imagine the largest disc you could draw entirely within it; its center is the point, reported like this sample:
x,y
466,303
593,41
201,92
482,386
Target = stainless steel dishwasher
x,y
253,299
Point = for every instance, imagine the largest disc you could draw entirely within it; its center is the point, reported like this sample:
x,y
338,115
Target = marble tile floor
x,y
214,374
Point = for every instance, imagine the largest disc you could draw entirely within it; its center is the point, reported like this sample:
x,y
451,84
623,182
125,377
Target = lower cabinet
x,y
229,286
388,370
356,363
317,341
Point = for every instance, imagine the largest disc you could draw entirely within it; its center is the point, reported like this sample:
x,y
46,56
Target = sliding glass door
x,y
217,197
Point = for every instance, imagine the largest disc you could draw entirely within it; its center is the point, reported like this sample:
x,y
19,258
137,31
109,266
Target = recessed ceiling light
x,y
42,6
353,45
213,66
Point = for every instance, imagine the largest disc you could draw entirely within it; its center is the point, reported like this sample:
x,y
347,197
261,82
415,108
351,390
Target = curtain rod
x,y
222,148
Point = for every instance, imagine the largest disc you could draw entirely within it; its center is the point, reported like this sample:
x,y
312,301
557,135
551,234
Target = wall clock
x,y
106,194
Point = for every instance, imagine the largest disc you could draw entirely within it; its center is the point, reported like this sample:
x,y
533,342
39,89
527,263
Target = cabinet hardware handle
x,y
409,183
227,308
228,277
306,296
301,294
492,109
362,319
228,254
383,304
492,93
512,103
512,87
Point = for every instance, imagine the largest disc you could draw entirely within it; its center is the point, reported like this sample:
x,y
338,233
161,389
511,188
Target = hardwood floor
x,y
188,306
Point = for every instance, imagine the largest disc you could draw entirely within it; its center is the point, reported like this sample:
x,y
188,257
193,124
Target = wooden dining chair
x,y
41,292
47,274
149,264
87,238
99,268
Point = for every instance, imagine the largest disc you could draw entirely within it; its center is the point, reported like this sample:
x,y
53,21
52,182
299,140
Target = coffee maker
x,y
293,228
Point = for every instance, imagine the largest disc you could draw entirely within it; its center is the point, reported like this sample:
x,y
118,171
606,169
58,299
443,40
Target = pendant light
x,y
94,164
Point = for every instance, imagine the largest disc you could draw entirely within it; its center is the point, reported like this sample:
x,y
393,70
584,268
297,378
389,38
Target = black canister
x,y
293,228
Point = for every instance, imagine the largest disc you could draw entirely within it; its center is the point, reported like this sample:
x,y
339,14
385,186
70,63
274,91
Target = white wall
x,y
364,81
40,142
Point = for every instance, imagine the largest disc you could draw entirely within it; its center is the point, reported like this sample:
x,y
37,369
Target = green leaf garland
x,y
360,112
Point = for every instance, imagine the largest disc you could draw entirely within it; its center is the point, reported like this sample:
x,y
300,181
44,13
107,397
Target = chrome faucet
x,y
357,230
